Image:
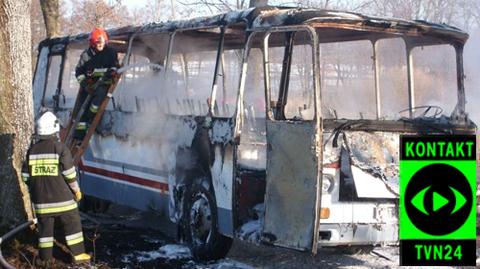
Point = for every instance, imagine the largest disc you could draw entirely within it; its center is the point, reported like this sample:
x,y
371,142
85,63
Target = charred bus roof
x,y
334,26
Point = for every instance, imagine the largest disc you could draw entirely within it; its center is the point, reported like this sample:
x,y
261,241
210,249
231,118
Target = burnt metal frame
x,y
213,94
376,68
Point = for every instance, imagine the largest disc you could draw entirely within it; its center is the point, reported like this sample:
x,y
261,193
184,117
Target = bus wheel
x,y
200,227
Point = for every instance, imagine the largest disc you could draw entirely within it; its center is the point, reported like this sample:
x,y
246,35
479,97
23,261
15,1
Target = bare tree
x,y
15,107
208,7
461,13
88,14
154,10
50,10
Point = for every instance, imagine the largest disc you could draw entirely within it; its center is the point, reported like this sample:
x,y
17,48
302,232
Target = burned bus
x,y
274,125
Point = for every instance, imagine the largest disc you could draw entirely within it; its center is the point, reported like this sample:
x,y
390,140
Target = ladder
x,y
78,147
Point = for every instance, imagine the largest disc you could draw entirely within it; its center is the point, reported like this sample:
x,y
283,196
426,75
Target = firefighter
x,y
54,190
94,72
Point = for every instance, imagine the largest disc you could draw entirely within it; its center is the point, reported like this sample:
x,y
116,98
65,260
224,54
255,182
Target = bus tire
x,y
200,227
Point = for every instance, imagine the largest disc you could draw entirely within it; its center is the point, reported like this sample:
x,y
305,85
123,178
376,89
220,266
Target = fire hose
x,y
7,236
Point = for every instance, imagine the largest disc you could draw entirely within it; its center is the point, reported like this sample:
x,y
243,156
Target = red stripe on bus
x,y
131,179
332,165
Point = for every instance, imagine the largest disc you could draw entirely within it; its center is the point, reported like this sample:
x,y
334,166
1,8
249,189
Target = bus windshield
x,y
373,80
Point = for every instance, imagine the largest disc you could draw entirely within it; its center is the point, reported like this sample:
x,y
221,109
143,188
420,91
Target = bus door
x,y
293,134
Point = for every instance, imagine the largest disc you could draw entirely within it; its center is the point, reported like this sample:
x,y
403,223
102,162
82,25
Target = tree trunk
x,y
15,108
258,3
51,17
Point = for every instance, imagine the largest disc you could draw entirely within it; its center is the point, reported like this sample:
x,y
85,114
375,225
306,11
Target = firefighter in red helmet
x,y
94,72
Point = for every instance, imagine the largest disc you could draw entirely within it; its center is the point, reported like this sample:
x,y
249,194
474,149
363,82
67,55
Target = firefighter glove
x,y
84,84
78,196
82,80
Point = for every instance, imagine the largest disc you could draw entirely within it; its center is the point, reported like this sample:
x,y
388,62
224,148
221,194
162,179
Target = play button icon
x,y
438,201
438,193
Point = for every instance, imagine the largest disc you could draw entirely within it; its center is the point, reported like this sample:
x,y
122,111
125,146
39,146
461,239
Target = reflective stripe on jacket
x,y
96,63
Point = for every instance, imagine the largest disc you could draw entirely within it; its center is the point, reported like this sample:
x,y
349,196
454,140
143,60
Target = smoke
x,y
145,100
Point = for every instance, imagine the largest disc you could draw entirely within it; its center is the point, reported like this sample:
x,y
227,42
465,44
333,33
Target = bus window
x,y
298,71
52,81
347,80
435,78
252,149
142,86
192,70
137,86
300,91
190,78
227,83
393,77
254,93
40,77
70,84
176,84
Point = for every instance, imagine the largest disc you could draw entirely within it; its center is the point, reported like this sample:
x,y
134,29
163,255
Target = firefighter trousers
x,y
72,229
91,109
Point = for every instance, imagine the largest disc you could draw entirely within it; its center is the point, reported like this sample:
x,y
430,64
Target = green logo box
x,y
437,200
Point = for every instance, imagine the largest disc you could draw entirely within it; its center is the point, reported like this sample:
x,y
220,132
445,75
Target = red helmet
x,y
96,35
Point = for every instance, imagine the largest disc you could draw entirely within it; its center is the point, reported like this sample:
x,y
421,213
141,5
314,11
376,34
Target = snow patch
x,y
221,132
152,240
252,230
227,264
168,252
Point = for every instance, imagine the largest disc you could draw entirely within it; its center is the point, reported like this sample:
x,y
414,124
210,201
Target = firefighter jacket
x,y
95,64
51,176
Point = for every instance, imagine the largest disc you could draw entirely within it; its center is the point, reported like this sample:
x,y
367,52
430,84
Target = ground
x,y
130,239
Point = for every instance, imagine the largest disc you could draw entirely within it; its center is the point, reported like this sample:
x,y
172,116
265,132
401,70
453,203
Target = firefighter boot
x,y
82,258
80,130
